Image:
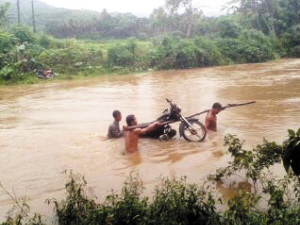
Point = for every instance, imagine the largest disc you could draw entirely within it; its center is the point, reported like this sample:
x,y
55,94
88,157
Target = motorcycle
x,y
45,74
189,128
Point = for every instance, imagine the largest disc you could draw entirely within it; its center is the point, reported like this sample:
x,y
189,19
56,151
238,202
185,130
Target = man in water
x,y
211,117
114,128
132,135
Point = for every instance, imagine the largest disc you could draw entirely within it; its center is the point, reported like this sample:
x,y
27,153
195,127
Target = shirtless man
x,y
211,117
114,128
132,135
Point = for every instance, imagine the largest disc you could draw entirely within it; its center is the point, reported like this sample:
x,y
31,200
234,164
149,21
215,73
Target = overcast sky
x,y
137,7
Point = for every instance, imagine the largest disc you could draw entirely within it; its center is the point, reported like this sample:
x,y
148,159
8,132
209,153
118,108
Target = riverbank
x,y
71,58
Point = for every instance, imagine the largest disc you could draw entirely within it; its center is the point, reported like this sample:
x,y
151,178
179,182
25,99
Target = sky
x,y
137,7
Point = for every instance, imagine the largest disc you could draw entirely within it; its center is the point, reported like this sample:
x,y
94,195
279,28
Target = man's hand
x,y
157,124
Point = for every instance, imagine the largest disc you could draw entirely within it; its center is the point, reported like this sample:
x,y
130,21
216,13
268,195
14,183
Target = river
x,y
55,126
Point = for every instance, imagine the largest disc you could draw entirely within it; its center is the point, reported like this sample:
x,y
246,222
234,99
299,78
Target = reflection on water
x,y
47,128
233,189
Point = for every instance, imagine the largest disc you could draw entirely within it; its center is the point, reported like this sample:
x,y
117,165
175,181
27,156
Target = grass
x,y
107,44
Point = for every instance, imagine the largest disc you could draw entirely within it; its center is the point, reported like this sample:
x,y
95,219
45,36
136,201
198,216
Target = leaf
x,y
298,132
135,217
286,159
297,144
291,133
220,200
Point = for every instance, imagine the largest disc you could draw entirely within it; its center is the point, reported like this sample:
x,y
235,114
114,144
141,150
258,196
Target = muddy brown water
x,y
47,128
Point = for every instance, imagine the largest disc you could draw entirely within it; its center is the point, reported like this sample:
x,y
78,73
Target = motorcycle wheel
x,y
201,132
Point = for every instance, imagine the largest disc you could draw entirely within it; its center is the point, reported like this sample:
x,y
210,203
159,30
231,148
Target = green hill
x,y
44,13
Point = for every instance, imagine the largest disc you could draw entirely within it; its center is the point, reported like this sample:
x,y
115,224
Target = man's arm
x,y
152,126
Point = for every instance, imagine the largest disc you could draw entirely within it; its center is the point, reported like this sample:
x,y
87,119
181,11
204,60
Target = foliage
x,y
20,213
188,17
228,28
7,73
122,55
291,41
18,61
253,162
251,46
173,201
208,53
256,32
45,41
181,203
291,152
243,208
162,53
72,57
6,41
75,209
180,18
23,34
185,55
68,60
4,17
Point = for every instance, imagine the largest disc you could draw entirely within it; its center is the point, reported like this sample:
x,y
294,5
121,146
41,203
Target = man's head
x,y
131,120
117,115
216,108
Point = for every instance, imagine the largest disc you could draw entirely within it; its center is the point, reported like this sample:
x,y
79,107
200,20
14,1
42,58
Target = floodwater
x,y
48,128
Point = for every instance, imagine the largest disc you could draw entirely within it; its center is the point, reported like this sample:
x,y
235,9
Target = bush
x,y
11,74
228,28
174,202
122,55
47,41
69,60
23,34
250,47
185,55
256,35
163,53
44,40
202,58
177,202
209,53
295,51
6,41
7,73
291,39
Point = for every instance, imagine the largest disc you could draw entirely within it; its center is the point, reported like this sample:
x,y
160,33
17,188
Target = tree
x,y
260,13
4,16
187,5
228,28
159,20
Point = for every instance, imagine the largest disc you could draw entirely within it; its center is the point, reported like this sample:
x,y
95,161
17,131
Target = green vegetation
x,y
259,197
104,43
